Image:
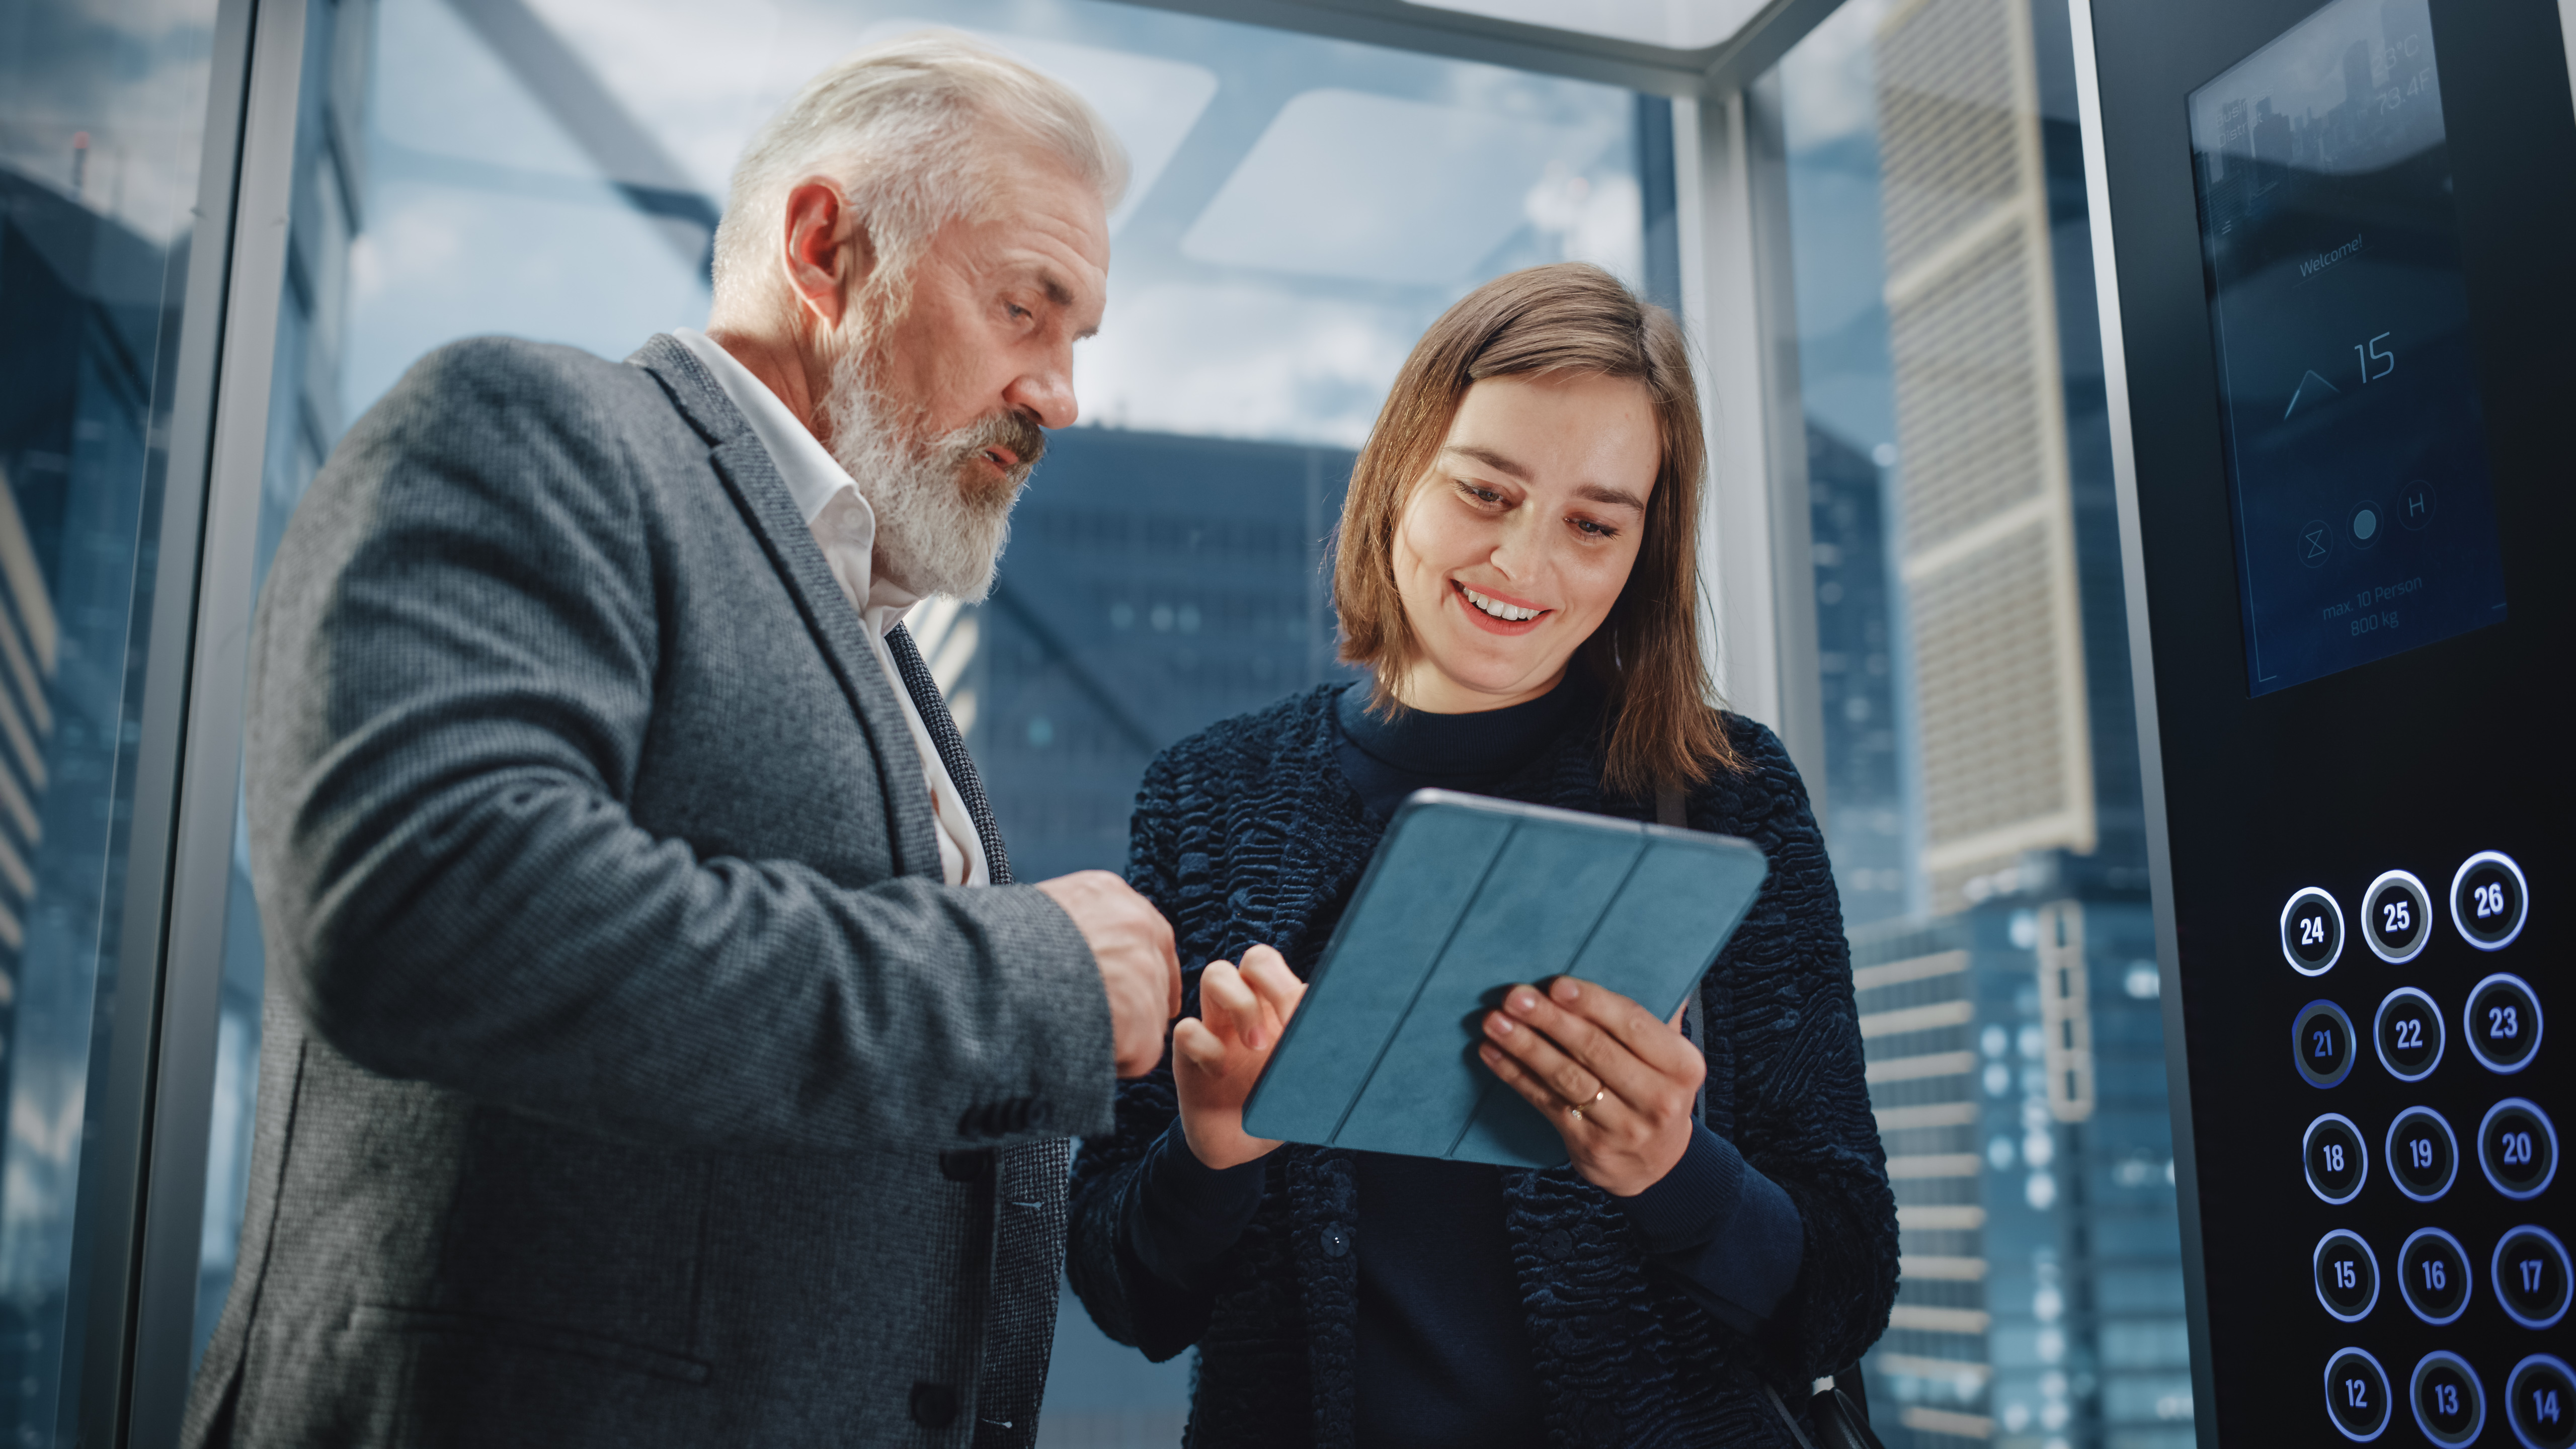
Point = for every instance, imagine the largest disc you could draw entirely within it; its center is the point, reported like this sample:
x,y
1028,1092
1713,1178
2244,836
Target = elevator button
x,y
2502,1021
2312,932
2337,1162
2423,1156
2489,900
2540,1402
2449,1406
2531,1276
2396,916
2433,1275
2517,1147
2347,1274
2409,1034
2321,1044
2357,1395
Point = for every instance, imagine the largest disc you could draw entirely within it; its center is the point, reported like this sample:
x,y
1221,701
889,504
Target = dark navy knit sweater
x,y
1444,1356
1252,832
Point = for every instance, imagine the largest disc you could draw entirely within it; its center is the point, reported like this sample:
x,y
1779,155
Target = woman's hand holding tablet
x,y
1218,1054
1615,1082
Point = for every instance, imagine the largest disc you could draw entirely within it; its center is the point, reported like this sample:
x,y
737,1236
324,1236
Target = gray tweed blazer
x,y
630,1077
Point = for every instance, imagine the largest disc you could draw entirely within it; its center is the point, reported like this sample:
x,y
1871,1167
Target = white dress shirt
x,y
846,527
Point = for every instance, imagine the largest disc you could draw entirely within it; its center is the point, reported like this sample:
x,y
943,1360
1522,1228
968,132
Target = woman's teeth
x,y
1511,613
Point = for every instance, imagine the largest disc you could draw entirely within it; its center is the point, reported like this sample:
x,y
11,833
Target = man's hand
x,y
1217,1056
1132,944
1616,1083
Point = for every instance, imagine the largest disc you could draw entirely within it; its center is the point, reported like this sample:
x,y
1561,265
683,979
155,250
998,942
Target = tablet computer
x,y
1465,897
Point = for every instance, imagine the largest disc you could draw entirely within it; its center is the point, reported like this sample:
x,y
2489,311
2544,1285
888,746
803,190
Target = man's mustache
x,y
1013,431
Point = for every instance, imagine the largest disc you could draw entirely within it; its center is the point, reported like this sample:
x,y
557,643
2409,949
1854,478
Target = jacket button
x,y
1555,1244
1337,1241
966,1166
934,1406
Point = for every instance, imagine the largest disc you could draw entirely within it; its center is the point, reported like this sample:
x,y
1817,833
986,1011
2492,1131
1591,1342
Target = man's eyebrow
x,y
1489,458
1062,297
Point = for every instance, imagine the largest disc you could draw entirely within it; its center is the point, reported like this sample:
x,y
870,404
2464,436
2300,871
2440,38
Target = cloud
x,y
1244,362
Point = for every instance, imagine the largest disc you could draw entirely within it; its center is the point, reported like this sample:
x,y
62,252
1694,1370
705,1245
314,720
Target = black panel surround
x,y
2407,1311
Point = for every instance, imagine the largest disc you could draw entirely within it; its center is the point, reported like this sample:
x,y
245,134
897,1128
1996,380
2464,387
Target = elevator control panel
x,y
2341,370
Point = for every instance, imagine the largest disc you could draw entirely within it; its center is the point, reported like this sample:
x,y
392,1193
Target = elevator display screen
x,y
2356,458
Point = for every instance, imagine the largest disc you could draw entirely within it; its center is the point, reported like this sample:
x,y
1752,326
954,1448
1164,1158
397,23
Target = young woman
x,y
1516,572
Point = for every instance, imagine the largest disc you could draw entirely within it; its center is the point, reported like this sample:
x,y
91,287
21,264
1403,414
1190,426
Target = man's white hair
x,y
913,131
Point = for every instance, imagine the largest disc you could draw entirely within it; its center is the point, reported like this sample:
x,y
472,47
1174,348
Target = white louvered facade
x,y
1986,544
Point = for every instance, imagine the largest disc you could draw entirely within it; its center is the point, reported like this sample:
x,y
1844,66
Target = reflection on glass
x,y
1980,755
1302,210
101,112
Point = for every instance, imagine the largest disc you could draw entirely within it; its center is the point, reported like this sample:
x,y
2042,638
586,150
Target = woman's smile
x,y
1498,613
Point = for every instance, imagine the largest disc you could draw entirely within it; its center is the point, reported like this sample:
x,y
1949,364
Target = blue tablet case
x,y
1467,896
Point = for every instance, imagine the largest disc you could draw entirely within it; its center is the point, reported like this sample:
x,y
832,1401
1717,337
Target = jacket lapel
x,y
770,511
935,717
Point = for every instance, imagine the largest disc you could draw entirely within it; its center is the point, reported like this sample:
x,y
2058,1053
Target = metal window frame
x,y
147,1189
151,1124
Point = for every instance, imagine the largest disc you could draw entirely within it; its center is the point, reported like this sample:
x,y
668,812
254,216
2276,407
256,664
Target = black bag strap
x,y
1840,1423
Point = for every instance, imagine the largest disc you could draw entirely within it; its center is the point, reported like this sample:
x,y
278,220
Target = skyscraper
x,y
1986,546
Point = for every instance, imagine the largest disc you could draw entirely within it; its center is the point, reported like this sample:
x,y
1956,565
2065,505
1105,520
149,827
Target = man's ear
x,y
829,254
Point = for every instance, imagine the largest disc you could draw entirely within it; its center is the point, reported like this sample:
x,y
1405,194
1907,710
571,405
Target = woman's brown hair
x,y
1564,320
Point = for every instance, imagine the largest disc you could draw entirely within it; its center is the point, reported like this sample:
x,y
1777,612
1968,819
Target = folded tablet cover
x,y
1466,896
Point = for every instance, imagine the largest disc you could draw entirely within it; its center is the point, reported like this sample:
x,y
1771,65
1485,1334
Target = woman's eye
x,y
1480,493
1591,529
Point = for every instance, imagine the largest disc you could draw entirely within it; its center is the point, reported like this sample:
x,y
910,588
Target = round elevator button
x,y
2517,1147
2337,1162
2540,1402
2321,1044
2357,1394
2489,900
2311,932
2396,917
2449,1406
2423,1156
2347,1274
2409,1033
2502,1022
2433,1275
2531,1276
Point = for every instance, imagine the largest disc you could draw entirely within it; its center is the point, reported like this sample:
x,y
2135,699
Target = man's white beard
x,y
941,521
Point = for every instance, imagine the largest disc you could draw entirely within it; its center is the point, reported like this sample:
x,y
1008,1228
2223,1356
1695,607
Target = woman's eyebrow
x,y
1489,458
1615,497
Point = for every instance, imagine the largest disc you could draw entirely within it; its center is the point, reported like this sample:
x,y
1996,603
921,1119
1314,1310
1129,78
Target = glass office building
x,y
231,225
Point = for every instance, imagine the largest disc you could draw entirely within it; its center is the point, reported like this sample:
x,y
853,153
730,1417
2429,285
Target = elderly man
x,y
658,1052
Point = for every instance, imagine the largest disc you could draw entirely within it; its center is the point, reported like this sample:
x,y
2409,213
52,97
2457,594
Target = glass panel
x,y
102,111
1981,756
552,169
1680,24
